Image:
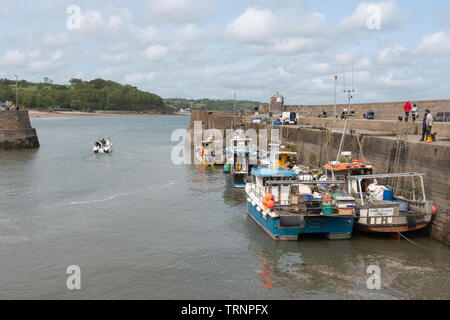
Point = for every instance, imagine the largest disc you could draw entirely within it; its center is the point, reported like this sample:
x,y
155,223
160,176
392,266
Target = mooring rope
x,y
411,241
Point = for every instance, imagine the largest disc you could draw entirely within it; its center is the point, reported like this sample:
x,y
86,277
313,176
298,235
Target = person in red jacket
x,y
407,109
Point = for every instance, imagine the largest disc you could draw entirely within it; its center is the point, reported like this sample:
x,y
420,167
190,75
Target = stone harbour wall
x,y
16,131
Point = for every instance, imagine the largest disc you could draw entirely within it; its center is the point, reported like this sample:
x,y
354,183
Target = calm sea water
x,y
140,227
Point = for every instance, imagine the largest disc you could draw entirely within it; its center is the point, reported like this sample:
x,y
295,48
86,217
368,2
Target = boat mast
x,y
234,110
349,92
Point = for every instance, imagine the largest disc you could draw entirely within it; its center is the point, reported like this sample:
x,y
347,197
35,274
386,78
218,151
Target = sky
x,y
400,50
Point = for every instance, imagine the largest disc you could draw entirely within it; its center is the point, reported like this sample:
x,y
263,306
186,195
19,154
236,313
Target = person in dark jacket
x,y
427,123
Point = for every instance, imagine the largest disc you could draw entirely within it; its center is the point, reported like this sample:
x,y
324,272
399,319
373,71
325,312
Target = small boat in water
x,y
102,146
286,207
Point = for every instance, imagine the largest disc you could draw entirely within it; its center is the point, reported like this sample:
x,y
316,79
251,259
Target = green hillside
x,y
207,104
82,95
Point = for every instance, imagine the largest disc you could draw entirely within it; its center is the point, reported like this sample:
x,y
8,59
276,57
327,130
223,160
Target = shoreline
x,y
35,114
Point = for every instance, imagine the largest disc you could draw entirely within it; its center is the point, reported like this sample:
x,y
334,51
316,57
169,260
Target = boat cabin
x,y
280,192
342,171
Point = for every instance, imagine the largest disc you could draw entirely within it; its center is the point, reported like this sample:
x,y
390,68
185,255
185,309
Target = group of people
x,y
414,111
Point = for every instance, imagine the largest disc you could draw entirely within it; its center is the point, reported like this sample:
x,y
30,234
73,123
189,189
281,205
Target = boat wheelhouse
x,y
285,158
240,160
284,208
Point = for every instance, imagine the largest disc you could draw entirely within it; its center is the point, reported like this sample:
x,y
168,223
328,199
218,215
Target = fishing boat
x,y
287,208
240,160
381,204
102,146
206,153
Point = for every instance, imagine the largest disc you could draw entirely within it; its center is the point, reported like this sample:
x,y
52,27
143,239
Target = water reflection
x,y
232,196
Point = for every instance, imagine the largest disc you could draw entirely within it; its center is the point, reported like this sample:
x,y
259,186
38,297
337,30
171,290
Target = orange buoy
x,y
433,209
268,197
270,204
264,202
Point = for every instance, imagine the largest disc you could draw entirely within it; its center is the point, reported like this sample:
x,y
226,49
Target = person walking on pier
x,y
344,113
407,109
427,124
415,112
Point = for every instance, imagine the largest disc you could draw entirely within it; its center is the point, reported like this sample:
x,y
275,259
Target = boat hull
x,y
393,229
334,227
389,220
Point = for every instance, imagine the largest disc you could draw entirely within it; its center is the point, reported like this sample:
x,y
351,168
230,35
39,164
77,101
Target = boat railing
x,y
411,175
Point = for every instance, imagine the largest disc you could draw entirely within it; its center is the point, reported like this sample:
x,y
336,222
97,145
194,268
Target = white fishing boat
x,y
102,146
394,202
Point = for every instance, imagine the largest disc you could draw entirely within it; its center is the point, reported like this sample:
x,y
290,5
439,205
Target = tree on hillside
x,y
75,82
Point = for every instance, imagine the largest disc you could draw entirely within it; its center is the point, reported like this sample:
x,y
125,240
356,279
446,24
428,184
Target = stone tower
x,y
277,104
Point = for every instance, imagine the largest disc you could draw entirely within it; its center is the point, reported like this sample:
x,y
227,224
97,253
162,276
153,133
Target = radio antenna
x,y
343,73
353,87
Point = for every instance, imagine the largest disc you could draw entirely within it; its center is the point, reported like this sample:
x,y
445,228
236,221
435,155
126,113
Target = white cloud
x,y
436,44
114,58
188,32
293,46
147,34
391,18
139,77
56,39
13,58
156,52
391,54
391,80
253,26
178,11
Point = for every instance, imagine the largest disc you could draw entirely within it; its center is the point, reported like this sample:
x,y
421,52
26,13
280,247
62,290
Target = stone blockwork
x,y
442,129
16,131
318,146
224,120
383,110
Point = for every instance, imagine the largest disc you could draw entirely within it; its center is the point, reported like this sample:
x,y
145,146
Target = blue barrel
x,y
388,195
403,206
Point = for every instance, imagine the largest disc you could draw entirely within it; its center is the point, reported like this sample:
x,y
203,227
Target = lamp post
x,y
17,97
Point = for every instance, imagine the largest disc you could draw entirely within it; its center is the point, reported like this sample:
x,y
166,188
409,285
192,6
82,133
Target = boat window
x,y
329,174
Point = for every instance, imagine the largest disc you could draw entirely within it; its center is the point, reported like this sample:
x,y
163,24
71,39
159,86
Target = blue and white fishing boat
x,y
287,208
